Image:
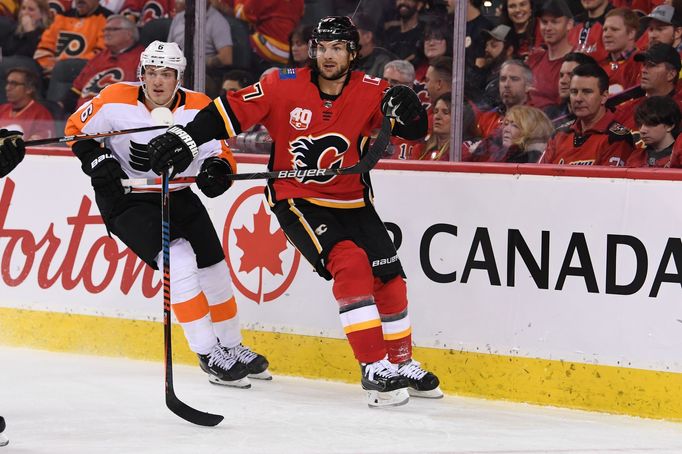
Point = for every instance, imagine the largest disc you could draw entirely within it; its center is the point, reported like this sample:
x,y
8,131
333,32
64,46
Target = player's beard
x,y
336,75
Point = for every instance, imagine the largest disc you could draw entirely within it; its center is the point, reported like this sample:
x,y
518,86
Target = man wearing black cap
x,y
660,71
371,58
664,25
499,47
555,23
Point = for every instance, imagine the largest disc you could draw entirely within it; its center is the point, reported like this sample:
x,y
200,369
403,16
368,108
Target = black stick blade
x,y
190,414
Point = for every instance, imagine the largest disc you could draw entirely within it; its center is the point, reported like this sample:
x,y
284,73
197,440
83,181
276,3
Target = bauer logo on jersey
x,y
324,152
300,118
102,79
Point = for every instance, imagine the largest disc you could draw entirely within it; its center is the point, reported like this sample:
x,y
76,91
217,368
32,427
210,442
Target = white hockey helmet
x,y
165,55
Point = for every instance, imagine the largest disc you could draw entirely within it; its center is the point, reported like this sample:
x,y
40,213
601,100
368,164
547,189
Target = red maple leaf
x,y
261,248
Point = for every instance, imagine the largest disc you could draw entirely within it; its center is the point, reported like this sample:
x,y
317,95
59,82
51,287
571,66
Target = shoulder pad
x,y
287,73
618,132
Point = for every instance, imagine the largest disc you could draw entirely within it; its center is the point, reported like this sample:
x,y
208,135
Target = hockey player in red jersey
x,y
322,117
201,293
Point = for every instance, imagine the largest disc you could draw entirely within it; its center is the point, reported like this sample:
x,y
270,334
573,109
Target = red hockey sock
x,y
391,300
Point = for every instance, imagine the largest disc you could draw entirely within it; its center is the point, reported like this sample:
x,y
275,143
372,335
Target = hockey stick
x,y
172,402
96,135
366,163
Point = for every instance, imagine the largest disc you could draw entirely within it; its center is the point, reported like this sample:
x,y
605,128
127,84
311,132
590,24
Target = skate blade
x,y
242,383
265,375
4,441
376,399
435,393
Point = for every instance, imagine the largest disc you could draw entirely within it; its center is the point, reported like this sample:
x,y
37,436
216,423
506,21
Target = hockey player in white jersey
x,y
201,291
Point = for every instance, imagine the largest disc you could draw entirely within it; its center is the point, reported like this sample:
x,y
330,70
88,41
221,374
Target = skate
x,y
384,386
4,441
256,364
422,383
223,368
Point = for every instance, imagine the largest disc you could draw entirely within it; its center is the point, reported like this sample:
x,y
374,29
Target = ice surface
x,y
73,404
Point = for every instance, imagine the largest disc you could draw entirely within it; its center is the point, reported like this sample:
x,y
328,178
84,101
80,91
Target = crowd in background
x,y
584,82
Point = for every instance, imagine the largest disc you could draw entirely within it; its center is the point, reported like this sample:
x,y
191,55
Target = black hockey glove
x,y
174,149
105,173
212,179
12,150
402,103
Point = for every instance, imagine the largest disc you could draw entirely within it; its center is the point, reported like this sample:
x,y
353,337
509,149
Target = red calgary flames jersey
x,y
310,130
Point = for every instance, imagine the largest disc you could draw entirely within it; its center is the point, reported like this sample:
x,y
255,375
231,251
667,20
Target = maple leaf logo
x,y
261,248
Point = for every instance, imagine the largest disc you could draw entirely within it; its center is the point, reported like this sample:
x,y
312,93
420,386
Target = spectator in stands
x,y
399,72
298,46
437,43
141,12
437,147
658,119
371,58
438,79
66,46
659,77
664,25
499,47
525,132
520,17
235,80
561,113
516,82
218,46
272,21
586,36
555,23
405,39
23,112
595,137
620,29
34,18
116,63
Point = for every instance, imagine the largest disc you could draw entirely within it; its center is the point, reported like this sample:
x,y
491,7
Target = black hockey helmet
x,y
336,28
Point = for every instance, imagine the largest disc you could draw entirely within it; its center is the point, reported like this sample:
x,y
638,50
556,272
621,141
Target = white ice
x,y
72,404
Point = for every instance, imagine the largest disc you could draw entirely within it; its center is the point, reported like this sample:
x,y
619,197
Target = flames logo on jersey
x,y
139,157
100,80
152,10
70,43
324,152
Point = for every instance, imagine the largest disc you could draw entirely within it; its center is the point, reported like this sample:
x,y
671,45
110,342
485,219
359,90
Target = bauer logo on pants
x,y
262,262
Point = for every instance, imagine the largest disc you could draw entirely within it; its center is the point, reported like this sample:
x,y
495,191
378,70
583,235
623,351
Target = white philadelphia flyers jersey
x,y
121,106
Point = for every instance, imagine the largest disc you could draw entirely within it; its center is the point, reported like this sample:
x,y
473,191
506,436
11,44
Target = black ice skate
x,y
223,368
256,364
384,386
422,383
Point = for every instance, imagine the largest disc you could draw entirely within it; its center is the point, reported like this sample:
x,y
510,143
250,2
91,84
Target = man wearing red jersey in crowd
x,y
22,112
321,117
620,28
117,63
657,118
595,137
271,21
143,11
660,74
555,23
586,36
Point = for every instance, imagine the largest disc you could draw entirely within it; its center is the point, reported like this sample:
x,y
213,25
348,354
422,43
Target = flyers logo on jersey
x,y
70,43
324,152
300,118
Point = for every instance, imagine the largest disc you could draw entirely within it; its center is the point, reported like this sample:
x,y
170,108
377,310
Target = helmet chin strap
x,y
154,103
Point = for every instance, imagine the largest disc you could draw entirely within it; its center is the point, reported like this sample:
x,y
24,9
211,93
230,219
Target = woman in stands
x,y
525,133
520,16
298,46
34,18
437,146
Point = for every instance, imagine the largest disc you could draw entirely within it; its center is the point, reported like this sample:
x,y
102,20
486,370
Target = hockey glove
x,y
402,103
12,150
212,179
175,149
105,173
